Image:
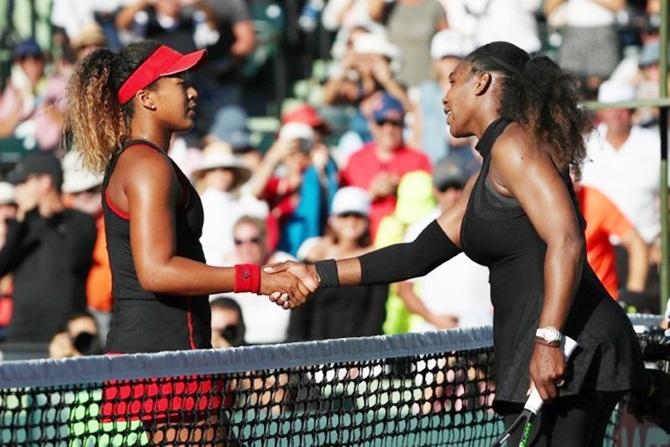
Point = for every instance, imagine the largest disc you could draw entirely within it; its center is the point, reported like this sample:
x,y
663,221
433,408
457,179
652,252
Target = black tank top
x,y
496,232
144,321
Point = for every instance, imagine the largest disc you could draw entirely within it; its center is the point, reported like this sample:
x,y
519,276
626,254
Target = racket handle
x,y
534,402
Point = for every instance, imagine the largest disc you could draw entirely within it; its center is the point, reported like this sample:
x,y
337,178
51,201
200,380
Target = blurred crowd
x,y
357,156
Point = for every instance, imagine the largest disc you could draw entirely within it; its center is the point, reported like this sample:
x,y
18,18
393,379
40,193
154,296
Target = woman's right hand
x,y
304,273
284,289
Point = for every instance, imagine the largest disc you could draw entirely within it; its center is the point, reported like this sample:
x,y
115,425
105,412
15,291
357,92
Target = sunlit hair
x,y
95,122
541,97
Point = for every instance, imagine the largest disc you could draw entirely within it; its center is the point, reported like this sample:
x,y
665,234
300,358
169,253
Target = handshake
x,y
288,283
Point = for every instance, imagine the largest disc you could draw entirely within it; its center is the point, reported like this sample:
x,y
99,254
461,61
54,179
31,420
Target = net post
x,y
663,188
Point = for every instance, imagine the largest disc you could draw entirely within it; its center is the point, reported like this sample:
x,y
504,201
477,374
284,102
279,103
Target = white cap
x,y
376,43
615,91
296,131
76,178
6,193
449,43
351,199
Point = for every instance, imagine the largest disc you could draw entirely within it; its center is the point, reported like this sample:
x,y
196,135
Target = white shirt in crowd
x,y
265,322
629,176
459,287
222,210
486,21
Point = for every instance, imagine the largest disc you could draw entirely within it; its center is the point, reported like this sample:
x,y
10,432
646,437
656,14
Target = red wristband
x,y
247,278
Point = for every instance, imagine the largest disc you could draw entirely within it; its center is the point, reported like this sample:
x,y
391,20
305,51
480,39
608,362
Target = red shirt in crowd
x,y
364,165
603,219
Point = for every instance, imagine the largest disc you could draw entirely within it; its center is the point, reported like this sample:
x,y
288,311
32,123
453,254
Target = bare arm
x,y
245,38
376,10
551,5
638,260
612,5
151,203
414,304
528,174
280,148
124,19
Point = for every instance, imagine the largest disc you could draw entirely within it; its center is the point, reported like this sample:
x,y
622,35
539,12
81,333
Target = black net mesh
x,y
428,399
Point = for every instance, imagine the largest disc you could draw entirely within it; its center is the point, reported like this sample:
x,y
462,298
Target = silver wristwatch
x,y
549,334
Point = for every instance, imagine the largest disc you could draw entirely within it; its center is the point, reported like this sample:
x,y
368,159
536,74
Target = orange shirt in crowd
x,y
603,219
99,282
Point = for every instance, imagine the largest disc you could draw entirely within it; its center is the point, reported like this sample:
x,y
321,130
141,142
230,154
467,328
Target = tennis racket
x,y
532,406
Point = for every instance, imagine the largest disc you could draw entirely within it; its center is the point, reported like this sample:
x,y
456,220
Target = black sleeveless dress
x,y
144,321
496,232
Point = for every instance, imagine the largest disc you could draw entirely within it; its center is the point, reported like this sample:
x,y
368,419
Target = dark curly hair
x,y
95,122
541,97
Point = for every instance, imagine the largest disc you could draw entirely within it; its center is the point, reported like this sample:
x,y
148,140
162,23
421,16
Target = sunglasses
x,y
253,240
450,185
391,122
352,214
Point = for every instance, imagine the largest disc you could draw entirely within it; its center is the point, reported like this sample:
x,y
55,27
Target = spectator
x,y
411,25
7,212
482,22
265,322
336,313
167,21
219,177
590,46
447,49
19,98
623,162
48,250
7,209
88,39
604,220
455,294
378,166
220,78
82,191
228,330
299,196
80,337
367,69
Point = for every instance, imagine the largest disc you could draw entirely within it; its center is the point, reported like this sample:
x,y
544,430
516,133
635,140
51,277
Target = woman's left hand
x,y
547,366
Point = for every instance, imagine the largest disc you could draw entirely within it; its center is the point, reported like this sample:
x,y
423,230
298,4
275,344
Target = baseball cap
x,y
376,43
415,197
296,131
350,199
615,91
449,43
164,61
76,178
305,114
388,108
447,172
36,163
27,47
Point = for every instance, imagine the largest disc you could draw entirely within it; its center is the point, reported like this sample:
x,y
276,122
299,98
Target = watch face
x,y
549,334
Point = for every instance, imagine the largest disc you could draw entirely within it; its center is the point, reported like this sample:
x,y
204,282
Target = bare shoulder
x,y
144,165
514,152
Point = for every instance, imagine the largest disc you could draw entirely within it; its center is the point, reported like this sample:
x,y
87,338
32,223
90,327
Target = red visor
x,y
163,62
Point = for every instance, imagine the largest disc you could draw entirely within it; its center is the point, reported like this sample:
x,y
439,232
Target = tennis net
x,y
430,389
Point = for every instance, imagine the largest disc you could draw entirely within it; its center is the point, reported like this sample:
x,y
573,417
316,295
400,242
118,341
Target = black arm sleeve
x,y
403,261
